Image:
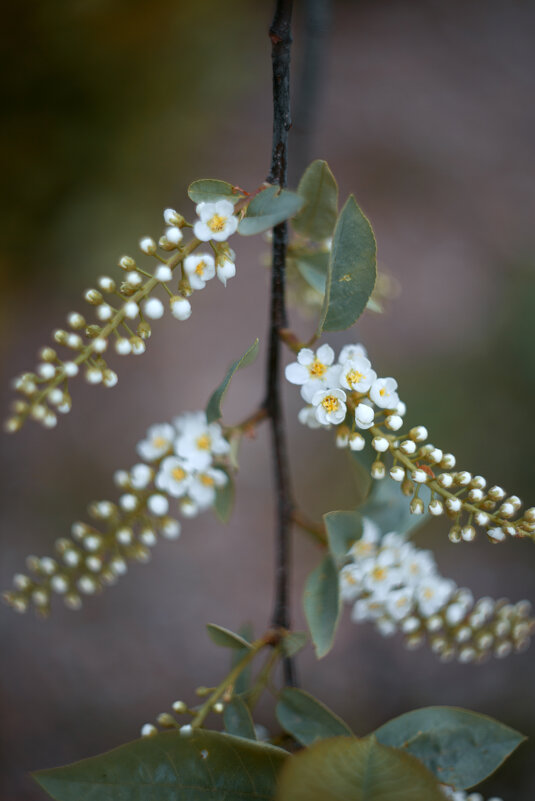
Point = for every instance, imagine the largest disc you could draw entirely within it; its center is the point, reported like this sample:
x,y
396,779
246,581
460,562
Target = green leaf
x,y
213,408
307,719
343,528
224,499
208,190
348,769
206,766
461,747
352,270
243,682
225,637
269,208
319,191
321,602
389,508
292,643
313,267
238,720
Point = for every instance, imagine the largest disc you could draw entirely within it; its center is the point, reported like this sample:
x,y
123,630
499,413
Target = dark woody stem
x,y
280,35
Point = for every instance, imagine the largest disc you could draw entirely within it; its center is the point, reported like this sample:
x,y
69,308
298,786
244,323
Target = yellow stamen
x,y
159,442
382,392
178,474
353,377
330,403
204,442
379,573
317,369
208,481
216,223
200,268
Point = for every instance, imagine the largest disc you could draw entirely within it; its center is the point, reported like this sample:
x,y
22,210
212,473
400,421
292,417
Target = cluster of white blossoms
x,y
461,795
365,410
397,586
183,461
123,310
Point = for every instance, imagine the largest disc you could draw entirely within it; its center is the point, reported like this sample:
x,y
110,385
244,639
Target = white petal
x,y
296,374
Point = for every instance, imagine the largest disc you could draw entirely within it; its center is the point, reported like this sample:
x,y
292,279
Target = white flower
x,y
418,566
225,269
216,221
364,415
199,268
313,371
203,486
330,406
153,308
381,574
399,603
307,416
432,594
357,374
158,442
173,477
350,582
140,476
351,352
383,393
198,440
367,609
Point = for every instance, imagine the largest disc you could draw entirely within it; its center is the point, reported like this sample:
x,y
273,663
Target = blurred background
x,y
109,109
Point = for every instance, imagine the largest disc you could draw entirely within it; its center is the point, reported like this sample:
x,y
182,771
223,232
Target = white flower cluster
x,y
183,461
348,395
120,307
398,587
461,795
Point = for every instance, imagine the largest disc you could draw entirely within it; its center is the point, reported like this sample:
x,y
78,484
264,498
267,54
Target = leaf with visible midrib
x,y
352,270
461,747
269,208
206,766
209,190
348,769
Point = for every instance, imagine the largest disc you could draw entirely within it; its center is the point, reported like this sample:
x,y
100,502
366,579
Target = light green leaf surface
x,y
237,719
348,769
292,643
269,208
459,746
343,528
224,499
208,190
225,637
307,719
321,601
313,267
206,766
390,510
319,191
352,270
213,407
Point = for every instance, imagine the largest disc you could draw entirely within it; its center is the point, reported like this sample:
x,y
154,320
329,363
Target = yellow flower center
x,y
429,593
317,369
200,268
353,377
178,474
159,442
216,223
204,442
207,481
379,573
382,392
330,403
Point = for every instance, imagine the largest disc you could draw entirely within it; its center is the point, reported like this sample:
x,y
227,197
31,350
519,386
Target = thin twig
x,y
280,35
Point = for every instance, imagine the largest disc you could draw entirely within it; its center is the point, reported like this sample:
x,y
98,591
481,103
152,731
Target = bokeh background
x,y
109,109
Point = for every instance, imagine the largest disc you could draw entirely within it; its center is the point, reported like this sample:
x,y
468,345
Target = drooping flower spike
x,y
122,311
349,396
397,587
183,463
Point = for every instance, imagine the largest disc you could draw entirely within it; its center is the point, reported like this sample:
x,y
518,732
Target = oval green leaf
x,y
307,719
224,499
352,270
319,191
459,746
225,637
213,407
269,208
208,190
292,643
321,601
206,766
343,529
313,267
348,769
237,719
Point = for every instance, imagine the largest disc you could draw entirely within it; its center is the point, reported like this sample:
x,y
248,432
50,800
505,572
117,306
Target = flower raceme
x,y
183,460
348,395
123,311
397,586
